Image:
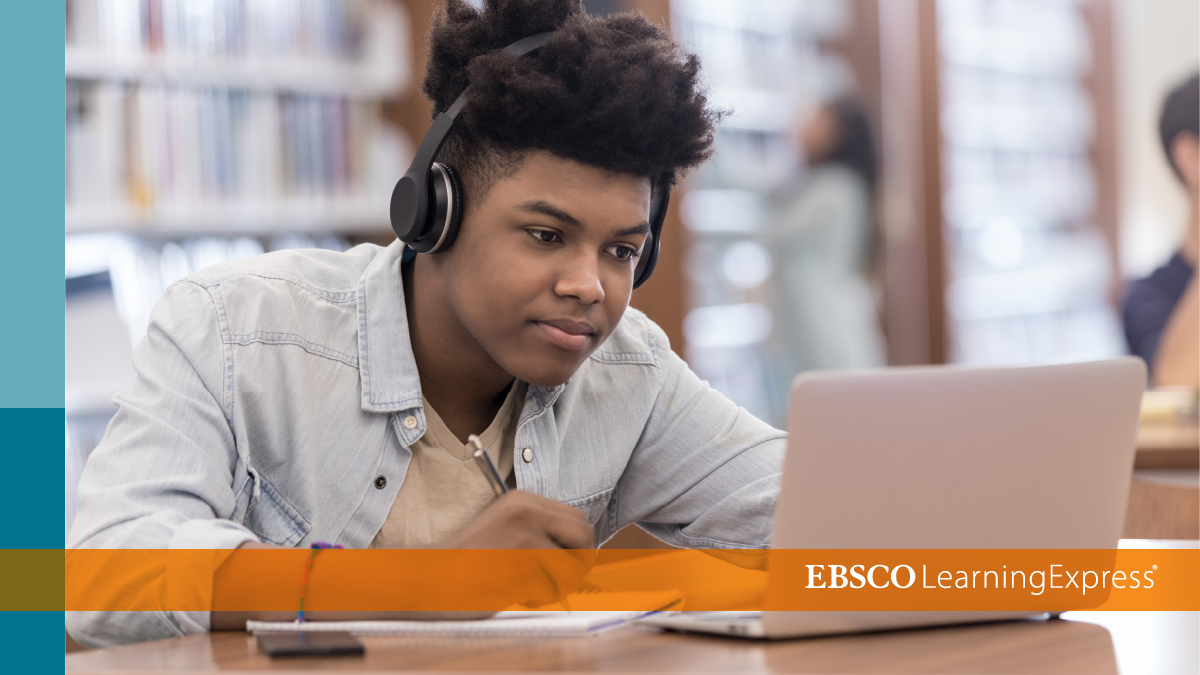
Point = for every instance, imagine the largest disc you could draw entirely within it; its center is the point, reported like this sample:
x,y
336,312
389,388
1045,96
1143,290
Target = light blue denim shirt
x,y
277,399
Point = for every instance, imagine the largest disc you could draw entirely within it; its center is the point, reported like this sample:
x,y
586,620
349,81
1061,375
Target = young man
x,y
312,396
1162,311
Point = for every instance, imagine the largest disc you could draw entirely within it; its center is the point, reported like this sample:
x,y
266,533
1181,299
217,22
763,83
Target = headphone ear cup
x,y
649,258
445,200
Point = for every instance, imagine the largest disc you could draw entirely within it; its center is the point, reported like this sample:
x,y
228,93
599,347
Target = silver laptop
x,y
946,457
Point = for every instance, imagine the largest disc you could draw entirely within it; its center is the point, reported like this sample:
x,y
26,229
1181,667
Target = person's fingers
x,y
586,556
569,530
534,579
524,520
564,568
544,572
565,525
541,576
542,590
559,509
572,535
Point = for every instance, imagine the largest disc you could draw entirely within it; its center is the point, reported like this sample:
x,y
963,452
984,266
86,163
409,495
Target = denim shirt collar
x,y
386,365
390,382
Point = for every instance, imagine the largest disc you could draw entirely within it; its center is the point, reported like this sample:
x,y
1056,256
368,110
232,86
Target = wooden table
x,y
1164,498
1063,646
1173,445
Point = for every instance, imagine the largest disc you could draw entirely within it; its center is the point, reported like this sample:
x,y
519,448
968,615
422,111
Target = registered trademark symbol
x,y
1154,566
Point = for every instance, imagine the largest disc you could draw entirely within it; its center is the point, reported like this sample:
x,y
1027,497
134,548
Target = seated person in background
x,y
314,396
1162,311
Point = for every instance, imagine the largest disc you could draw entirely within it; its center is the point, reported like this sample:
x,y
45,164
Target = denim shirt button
x,y
380,482
410,422
527,455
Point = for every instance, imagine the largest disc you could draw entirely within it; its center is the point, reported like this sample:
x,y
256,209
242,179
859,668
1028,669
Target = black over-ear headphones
x,y
426,208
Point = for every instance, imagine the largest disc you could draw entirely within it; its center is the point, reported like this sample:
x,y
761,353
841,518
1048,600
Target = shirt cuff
x,y
223,537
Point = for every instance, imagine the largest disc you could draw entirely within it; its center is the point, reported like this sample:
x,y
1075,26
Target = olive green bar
x,y
33,580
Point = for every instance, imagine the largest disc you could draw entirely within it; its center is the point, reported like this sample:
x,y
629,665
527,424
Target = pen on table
x,y
484,459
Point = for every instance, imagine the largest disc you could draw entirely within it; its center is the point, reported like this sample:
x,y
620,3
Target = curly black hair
x,y
615,92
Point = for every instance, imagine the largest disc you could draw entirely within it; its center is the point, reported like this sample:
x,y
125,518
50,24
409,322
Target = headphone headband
x,y
427,232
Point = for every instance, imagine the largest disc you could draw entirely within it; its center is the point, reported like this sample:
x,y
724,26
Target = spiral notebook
x,y
507,623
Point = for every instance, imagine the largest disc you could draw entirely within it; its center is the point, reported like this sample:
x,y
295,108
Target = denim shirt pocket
x,y
261,508
593,506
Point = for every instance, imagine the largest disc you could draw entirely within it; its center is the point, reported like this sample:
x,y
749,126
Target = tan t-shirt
x,y
444,488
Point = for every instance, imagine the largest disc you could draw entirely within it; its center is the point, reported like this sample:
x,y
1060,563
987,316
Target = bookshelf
x,y
226,117
202,132
1027,205
999,204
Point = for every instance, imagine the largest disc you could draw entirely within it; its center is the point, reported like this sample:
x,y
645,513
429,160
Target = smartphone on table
x,y
305,643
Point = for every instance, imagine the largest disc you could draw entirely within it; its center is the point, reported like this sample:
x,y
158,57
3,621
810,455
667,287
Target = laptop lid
x,y
950,457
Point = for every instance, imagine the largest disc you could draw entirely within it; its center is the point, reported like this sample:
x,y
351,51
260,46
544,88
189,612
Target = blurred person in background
x,y
822,232
1162,311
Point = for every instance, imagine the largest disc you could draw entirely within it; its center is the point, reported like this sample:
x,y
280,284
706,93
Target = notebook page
x,y
515,622
578,623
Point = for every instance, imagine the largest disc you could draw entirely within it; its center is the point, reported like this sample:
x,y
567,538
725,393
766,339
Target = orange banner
x,y
488,580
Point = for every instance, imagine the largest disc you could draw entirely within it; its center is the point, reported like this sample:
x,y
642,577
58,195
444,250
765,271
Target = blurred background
x,y
900,181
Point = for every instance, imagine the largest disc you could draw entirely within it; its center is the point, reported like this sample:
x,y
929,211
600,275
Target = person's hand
x,y
522,520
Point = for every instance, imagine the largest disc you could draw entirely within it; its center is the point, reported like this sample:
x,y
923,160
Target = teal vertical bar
x,y
31,331
31,204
